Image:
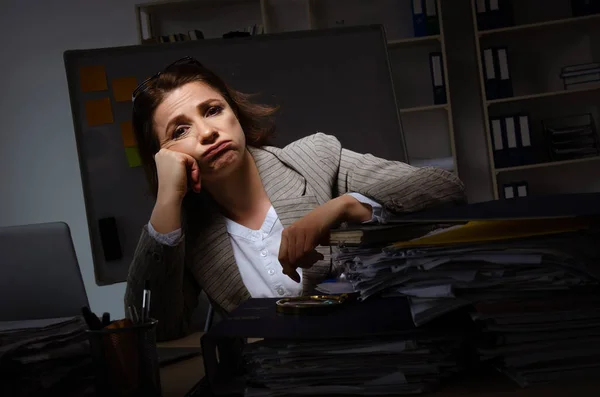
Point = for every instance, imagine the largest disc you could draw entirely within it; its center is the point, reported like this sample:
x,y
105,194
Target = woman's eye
x,y
214,110
179,131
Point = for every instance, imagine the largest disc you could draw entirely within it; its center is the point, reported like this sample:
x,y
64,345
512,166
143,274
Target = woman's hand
x,y
299,240
175,171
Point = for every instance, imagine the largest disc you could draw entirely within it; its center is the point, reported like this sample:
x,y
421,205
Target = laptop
x,y
39,273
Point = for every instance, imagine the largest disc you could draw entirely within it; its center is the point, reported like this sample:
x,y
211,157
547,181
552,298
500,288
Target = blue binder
x,y
504,80
496,71
489,73
522,189
498,143
515,189
437,78
419,18
513,145
432,23
508,191
585,7
494,14
526,151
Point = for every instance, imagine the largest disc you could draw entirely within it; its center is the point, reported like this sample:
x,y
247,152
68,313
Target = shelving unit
x,y
537,49
424,108
519,98
540,25
428,127
547,164
413,40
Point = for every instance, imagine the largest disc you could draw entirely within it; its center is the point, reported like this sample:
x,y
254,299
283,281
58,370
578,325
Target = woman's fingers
x,y
284,259
309,259
193,172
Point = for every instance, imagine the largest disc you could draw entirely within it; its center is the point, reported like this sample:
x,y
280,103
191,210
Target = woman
x,y
238,218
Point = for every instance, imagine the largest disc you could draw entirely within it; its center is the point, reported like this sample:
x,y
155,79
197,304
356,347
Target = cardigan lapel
x,y
286,188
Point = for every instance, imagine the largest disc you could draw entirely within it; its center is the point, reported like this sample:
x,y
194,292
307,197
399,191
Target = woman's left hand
x,y
299,240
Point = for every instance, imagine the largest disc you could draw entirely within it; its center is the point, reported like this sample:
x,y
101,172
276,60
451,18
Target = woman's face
x,y
196,120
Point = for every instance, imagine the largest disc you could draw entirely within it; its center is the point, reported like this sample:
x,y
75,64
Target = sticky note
x,y
123,88
133,156
98,111
127,134
92,78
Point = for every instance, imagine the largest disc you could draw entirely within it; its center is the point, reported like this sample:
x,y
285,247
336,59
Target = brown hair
x,y
255,119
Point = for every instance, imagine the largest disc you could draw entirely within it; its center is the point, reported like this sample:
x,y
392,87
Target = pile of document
x,y
39,356
581,75
572,137
381,366
551,338
524,280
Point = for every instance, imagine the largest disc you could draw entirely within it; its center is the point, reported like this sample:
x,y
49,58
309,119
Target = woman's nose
x,y
207,134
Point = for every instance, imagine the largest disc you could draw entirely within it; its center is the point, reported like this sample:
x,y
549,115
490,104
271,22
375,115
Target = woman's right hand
x,y
175,171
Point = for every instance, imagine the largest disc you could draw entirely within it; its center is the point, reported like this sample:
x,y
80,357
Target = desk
x,y
178,378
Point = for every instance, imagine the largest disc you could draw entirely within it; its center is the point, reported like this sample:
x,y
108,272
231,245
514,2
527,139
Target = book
x,y
376,233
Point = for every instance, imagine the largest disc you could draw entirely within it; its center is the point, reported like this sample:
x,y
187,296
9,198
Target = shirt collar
x,y
236,229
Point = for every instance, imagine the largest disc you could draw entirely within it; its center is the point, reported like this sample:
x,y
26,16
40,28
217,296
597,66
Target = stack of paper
x,y
360,348
40,355
540,276
382,366
541,340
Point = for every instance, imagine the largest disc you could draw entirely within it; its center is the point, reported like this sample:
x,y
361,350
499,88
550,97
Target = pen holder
x,y
125,359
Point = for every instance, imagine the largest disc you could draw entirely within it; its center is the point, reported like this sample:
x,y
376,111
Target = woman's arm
x,y
397,186
174,291
298,241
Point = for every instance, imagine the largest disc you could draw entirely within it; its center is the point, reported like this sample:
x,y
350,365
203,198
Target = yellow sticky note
x,y
127,134
133,156
92,78
123,88
98,111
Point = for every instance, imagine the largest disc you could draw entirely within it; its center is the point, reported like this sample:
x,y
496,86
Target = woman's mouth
x,y
216,150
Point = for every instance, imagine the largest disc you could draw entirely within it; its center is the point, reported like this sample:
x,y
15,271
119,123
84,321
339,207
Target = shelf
x,y
413,40
542,95
164,5
548,164
556,22
424,108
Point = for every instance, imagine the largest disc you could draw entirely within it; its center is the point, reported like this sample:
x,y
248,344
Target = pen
x,y
105,319
133,314
136,314
91,319
146,302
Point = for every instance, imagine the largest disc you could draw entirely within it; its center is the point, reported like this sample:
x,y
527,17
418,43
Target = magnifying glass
x,y
311,304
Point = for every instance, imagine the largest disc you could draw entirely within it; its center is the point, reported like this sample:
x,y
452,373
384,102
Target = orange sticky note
x,y
123,88
92,78
98,111
133,156
127,134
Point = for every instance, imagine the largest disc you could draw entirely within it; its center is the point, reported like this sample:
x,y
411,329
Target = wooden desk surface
x,y
177,379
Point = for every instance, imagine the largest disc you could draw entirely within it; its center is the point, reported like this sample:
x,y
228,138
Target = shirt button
x,y
280,291
263,253
271,272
